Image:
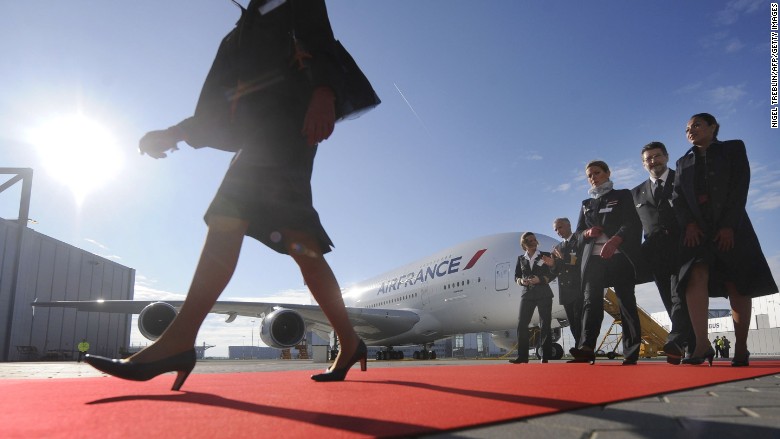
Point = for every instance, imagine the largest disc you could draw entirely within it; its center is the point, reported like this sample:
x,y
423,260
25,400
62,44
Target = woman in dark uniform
x,y
720,252
612,233
534,276
274,116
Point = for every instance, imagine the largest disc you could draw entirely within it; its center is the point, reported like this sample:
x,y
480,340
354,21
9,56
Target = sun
x,y
78,152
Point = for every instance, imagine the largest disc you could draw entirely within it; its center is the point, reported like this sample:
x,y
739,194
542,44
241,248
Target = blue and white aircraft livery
x,y
464,289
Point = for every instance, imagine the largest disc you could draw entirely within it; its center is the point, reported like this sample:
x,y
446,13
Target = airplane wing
x,y
369,323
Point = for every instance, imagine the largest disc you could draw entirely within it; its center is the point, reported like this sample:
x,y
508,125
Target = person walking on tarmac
x,y
83,347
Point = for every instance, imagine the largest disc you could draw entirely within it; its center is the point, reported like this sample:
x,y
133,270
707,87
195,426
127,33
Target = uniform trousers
x,y
527,306
618,273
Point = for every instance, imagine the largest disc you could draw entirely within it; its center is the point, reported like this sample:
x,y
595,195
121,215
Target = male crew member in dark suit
x,y
660,247
534,276
565,264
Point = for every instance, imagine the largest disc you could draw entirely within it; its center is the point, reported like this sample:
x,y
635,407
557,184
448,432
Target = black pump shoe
x,y
708,356
741,363
182,364
361,354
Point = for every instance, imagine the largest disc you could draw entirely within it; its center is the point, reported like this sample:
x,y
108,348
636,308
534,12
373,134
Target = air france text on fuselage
x,y
443,268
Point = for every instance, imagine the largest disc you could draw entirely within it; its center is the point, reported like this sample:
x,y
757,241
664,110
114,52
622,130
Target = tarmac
x,y
742,409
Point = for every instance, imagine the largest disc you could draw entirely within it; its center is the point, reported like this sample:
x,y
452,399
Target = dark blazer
x,y
256,57
568,269
656,217
615,212
659,222
524,269
728,182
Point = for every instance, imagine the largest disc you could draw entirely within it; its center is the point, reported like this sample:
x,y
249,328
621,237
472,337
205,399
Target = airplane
x,y
467,288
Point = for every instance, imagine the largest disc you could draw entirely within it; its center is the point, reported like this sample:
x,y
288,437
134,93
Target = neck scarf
x,y
600,190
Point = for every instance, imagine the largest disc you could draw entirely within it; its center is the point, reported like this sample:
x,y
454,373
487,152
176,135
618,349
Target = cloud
x,y
735,9
690,88
95,243
734,46
764,187
563,187
768,201
626,176
144,292
725,96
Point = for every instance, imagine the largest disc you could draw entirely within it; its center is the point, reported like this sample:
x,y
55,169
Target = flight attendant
x,y
612,232
720,254
534,276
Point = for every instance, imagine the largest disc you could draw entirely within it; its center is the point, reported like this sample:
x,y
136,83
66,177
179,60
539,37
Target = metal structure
x,y
24,175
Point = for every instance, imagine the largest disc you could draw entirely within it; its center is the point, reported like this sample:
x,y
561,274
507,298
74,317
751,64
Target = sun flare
x,y
78,152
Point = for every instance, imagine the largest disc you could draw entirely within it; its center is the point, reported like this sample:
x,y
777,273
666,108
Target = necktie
x,y
659,188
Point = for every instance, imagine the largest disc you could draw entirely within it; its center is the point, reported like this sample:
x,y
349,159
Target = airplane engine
x,y
283,328
154,318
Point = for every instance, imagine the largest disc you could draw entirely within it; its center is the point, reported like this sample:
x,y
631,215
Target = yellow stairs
x,y
653,335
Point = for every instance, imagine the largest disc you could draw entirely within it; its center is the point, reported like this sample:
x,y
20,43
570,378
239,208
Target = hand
x,y
593,232
556,253
693,235
548,260
725,239
320,116
611,246
156,143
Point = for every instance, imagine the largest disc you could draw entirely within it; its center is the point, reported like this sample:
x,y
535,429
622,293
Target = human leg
x,y
620,273
217,263
697,300
174,350
524,315
322,283
741,308
574,316
545,319
593,303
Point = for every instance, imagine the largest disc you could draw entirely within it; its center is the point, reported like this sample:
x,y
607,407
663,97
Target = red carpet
x,y
381,402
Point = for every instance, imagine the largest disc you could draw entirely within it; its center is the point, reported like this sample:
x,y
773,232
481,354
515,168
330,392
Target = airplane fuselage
x,y
466,288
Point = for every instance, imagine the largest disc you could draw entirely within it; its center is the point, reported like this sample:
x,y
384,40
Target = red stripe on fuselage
x,y
475,258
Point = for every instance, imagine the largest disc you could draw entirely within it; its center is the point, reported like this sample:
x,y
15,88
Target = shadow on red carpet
x,y
401,401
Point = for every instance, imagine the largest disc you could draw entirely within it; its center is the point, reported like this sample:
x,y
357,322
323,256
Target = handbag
x,y
358,96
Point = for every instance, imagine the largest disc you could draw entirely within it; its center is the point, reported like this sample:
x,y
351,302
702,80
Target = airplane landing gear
x,y
389,354
557,352
425,354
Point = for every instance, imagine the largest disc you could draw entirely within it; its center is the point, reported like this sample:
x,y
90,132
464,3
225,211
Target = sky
x,y
490,112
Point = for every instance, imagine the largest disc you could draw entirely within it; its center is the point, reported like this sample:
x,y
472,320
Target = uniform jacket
x,y
568,268
659,223
256,59
615,212
728,182
524,269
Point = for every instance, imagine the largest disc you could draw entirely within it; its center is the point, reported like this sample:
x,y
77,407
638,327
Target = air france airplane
x,y
464,289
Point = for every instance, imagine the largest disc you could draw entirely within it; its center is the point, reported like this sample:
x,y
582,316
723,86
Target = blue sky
x,y
490,112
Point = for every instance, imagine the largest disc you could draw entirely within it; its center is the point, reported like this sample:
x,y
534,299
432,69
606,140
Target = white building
x,y
764,336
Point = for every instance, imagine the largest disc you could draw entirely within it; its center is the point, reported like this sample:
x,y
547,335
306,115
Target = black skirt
x,y
268,183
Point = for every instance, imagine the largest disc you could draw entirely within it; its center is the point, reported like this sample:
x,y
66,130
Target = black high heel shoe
x,y
361,354
182,364
708,356
741,363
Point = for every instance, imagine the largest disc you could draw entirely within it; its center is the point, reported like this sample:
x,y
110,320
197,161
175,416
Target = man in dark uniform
x,y
565,264
660,247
